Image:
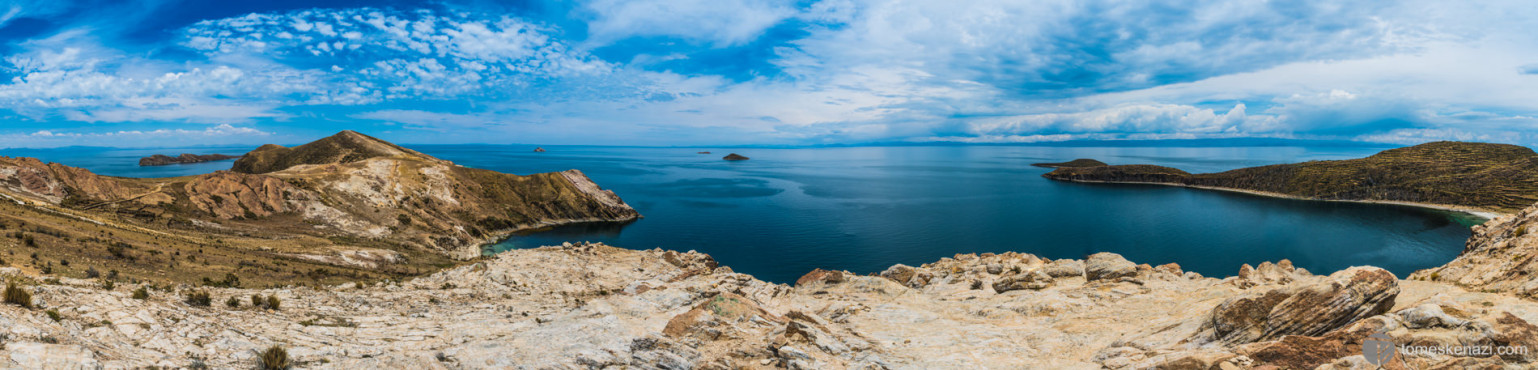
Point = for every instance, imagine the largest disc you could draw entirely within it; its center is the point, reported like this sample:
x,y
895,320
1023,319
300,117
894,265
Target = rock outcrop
x,y
185,158
1309,309
590,305
1501,256
734,157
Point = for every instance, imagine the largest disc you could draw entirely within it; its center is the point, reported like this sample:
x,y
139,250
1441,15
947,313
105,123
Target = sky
x,y
764,72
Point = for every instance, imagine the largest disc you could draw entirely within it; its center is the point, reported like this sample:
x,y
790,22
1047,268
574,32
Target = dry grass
x,y
275,358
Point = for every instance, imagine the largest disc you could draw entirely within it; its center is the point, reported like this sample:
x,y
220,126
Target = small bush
x,y
29,241
141,293
275,358
257,300
54,314
199,298
232,302
108,284
273,303
17,296
46,269
91,273
64,263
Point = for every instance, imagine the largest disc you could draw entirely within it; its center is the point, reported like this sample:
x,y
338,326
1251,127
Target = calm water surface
x,y
788,211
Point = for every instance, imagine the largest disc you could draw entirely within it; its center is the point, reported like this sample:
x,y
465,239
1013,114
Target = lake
x,y
788,211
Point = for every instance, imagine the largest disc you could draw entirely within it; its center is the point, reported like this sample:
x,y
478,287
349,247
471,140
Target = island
x,y
1081,162
185,158
734,157
1478,178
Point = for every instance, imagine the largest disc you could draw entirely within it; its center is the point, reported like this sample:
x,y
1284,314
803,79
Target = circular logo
x,y
1378,349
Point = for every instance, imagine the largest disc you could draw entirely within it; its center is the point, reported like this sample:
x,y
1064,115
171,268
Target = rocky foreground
x,y
595,306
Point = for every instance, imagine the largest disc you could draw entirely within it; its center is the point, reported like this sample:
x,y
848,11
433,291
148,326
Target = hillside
x,y
1489,176
1081,162
351,207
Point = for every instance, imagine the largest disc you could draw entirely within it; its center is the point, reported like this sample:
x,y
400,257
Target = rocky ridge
x,y
348,200
595,306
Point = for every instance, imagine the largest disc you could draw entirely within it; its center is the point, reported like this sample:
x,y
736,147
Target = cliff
x,y
1496,177
185,158
349,207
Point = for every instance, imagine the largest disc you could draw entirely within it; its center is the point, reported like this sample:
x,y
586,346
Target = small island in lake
x,y
734,157
1450,175
185,158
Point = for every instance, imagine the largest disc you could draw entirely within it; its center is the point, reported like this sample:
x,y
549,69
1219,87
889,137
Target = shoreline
x,y
1482,213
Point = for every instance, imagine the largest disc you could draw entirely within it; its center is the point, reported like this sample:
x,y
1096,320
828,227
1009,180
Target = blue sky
x,y
742,72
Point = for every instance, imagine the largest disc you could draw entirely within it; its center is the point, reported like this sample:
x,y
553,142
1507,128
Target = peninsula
x,y
344,208
185,158
1479,178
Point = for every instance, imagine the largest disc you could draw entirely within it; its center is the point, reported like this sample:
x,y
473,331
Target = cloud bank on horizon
x,y
728,72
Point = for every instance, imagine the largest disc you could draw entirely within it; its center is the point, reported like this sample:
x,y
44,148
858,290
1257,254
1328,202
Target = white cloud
x,y
718,22
213,135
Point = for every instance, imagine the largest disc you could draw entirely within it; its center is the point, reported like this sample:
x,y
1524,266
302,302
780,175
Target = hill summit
x,y
344,147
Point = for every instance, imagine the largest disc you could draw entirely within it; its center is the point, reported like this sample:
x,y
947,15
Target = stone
x,y
1034,280
1108,266
1306,309
822,276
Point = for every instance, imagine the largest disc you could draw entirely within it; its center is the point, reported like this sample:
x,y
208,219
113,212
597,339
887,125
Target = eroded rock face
x,y
1306,309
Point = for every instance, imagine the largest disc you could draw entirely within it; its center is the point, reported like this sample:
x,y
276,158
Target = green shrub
x,y
29,241
108,284
17,296
141,293
232,302
275,358
273,303
91,273
257,301
54,314
198,298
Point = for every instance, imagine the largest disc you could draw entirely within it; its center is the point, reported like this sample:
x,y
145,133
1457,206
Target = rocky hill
x,y
1498,177
185,158
346,207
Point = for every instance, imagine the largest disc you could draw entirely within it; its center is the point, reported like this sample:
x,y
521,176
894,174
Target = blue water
x,y
788,211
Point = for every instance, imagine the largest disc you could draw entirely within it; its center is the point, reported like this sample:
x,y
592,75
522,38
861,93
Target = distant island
x,y
1477,178
185,158
1081,162
735,157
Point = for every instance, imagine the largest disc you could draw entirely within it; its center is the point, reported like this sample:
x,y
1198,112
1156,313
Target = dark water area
x,y
788,211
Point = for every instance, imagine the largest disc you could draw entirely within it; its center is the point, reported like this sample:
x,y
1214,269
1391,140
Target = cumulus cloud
x,y
827,71
717,22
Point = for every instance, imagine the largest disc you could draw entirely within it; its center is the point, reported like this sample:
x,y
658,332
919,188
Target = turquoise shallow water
x,y
788,211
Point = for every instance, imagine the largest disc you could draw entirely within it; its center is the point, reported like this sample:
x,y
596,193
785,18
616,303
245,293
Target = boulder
x,y
1064,268
1034,280
1305,309
820,275
1108,266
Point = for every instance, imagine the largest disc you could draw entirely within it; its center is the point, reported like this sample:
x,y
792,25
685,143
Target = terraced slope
x,y
1497,177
